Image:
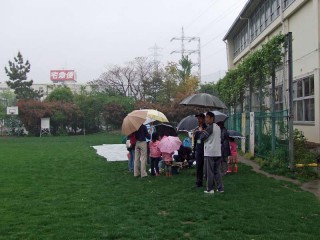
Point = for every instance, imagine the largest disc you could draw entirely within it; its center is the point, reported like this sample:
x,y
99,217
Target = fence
x,y
270,133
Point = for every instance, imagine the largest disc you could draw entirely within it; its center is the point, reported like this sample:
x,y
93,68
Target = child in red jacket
x,y
233,159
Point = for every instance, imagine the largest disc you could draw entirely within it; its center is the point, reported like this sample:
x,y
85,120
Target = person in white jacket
x,y
212,154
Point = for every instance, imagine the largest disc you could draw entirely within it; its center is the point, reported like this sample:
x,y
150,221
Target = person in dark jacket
x,y
198,147
140,160
225,148
131,149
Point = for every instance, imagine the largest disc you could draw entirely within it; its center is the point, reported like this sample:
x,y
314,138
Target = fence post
x,y
243,131
252,134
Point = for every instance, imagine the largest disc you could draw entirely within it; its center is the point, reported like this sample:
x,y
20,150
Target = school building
x,y
259,21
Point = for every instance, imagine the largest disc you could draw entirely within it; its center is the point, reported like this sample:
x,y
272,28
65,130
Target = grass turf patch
x,y
58,188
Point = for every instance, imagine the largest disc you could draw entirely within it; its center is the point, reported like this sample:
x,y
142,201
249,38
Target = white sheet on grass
x,y
112,152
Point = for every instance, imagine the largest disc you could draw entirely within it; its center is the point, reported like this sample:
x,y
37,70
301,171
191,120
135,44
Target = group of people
x,y
139,150
214,150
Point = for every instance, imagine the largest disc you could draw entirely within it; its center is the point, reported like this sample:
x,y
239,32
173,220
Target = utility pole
x,y
184,51
291,114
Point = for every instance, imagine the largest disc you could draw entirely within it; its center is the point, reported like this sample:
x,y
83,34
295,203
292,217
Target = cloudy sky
x,y
89,35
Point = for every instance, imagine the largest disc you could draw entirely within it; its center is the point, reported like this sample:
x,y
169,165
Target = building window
x,y
303,99
278,98
264,15
267,13
287,3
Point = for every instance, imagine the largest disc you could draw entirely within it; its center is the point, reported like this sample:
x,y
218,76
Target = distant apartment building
x,y
259,21
47,88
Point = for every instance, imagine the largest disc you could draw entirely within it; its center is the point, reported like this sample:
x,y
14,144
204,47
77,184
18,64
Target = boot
x,y
235,169
229,169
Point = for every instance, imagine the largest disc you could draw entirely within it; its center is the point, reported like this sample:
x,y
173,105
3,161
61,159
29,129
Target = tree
x,y
153,87
185,68
114,114
8,98
210,88
17,73
169,83
130,80
252,75
63,94
144,73
64,117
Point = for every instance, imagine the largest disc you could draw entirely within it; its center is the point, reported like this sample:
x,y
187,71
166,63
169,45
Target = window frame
x,y
302,103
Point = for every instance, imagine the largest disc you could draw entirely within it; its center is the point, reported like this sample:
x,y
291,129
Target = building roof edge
x,y
238,17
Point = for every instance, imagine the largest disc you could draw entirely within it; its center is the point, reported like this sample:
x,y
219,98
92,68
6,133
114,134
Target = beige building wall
x,y
305,31
302,19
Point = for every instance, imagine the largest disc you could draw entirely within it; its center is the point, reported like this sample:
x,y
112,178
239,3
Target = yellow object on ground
x,y
307,165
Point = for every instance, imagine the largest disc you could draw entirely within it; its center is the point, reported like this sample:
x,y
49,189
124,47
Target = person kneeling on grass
x,y
167,158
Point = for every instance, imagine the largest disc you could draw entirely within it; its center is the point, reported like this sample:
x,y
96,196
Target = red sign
x,y
62,75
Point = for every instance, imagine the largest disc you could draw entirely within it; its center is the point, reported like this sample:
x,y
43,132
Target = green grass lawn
x,y
58,188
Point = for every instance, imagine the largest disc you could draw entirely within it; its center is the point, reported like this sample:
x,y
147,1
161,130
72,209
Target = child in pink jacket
x,y
155,155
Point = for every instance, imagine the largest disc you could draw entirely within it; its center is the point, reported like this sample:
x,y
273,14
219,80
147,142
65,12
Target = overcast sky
x,y
89,35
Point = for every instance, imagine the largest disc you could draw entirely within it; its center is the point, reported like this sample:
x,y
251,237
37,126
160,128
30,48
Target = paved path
x,y
312,186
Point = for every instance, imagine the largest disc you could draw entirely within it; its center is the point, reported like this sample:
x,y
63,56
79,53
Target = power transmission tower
x,y
184,51
155,75
155,55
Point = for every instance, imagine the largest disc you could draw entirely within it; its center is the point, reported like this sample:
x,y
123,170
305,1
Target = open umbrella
x,y
154,115
190,122
136,118
165,129
169,144
131,124
203,100
235,134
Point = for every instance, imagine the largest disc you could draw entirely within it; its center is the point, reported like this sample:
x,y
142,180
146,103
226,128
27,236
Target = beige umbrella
x,y
135,119
131,123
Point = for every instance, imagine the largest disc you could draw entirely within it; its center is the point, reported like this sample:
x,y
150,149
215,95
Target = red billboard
x,y
62,75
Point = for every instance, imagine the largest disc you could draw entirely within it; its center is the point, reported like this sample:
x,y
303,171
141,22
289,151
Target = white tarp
x,y
112,152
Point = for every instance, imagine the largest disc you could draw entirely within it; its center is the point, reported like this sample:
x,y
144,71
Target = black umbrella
x,y
165,129
203,100
234,134
191,122
188,123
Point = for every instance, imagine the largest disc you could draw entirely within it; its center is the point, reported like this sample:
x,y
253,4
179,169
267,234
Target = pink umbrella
x,y
169,144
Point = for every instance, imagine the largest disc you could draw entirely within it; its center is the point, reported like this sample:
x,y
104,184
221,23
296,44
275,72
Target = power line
x,y
221,17
193,21
212,39
201,14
